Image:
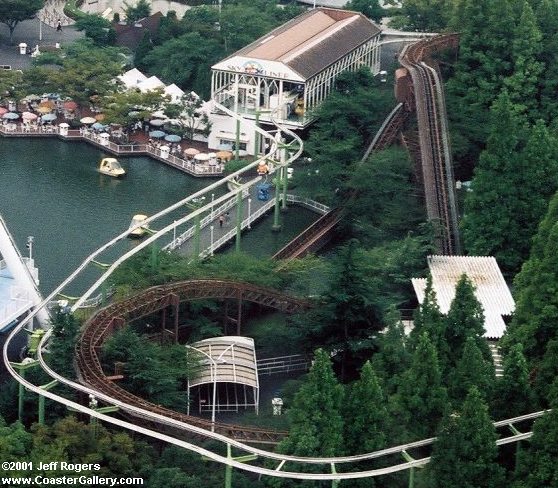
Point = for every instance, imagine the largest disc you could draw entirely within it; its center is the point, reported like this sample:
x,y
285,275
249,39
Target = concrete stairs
x,y
497,359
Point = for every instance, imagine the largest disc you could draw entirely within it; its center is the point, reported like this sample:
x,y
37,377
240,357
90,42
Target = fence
x,y
284,364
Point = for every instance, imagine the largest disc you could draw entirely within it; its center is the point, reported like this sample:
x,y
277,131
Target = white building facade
x,y
290,72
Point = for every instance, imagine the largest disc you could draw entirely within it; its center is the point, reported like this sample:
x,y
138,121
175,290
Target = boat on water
x,y
139,231
111,167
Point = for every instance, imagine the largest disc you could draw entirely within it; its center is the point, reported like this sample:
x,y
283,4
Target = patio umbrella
x,y
48,103
225,155
134,114
10,116
173,138
201,157
87,120
48,117
191,151
28,116
44,110
3,110
157,122
99,117
157,134
70,105
98,126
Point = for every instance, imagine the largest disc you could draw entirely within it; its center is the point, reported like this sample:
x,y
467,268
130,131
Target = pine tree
x,y
546,372
465,451
472,370
429,319
316,420
393,356
537,465
513,395
491,223
526,49
365,408
421,399
465,319
536,312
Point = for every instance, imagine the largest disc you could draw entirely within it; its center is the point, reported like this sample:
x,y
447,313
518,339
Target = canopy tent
x,y
132,78
174,92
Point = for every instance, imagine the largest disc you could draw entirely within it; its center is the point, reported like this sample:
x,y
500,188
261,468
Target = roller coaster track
x,y
98,328
160,295
436,164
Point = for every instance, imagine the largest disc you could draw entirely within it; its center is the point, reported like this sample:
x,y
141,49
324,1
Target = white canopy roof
x,y
132,78
150,83
174,92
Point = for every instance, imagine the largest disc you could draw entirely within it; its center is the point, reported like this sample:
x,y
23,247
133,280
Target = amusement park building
x,y
291,70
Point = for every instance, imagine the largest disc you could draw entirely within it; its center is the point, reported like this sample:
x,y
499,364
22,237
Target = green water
x,y
52,190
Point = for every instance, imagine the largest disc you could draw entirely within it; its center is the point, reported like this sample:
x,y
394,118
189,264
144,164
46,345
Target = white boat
x,y
140,231
111,167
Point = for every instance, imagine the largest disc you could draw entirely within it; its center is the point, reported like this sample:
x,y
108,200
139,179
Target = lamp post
x,y
196,203
30,240
211,234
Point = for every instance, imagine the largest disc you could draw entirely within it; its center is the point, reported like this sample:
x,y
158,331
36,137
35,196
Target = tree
x,y
537,463
536,312
393,357
425,15
178,60
316,420
118,106
137,12
371,8
465,320
189,115
472,370
421,400
465,451
96,28
65,329
523,83
546,372
10,83
88,70
365,406
429,319
12,12
490,228
513,395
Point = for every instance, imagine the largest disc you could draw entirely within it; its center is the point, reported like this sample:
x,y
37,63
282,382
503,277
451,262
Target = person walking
x,y
59,26
221,220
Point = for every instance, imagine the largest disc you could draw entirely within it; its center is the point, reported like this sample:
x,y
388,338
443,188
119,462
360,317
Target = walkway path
x,y
214,236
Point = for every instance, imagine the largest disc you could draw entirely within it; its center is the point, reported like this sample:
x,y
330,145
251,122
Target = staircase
x,y
497,359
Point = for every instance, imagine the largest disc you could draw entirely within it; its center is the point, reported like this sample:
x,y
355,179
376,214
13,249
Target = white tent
x,y
132,78
149,84
174,92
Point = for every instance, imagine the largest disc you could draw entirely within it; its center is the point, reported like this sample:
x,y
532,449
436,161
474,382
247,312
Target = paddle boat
x,y
140,231
111,167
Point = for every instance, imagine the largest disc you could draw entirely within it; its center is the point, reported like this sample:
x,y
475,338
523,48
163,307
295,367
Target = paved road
x,y
28,32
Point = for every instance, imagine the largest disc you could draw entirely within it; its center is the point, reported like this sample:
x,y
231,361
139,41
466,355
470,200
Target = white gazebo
x,y
227,377
291,70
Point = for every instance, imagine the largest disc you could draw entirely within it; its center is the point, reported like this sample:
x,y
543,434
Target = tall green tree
x,y
12,12
138,11
513,395
421,399
536,313
96,28
491,224
537,465
465,320
546,372
429,319
465,451
472,369
523,83
427,16
316,420
365,406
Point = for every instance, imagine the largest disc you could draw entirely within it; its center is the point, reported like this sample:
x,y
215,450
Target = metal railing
x,y
283,364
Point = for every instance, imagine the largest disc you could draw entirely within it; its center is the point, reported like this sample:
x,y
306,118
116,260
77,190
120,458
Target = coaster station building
x,y
290,72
